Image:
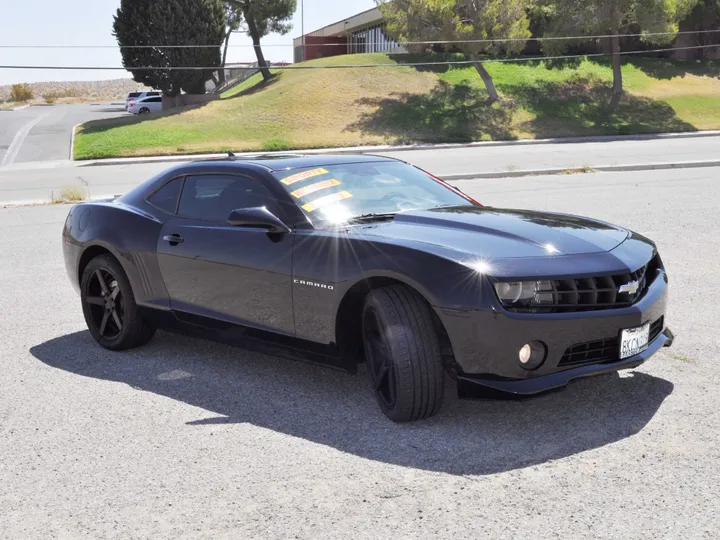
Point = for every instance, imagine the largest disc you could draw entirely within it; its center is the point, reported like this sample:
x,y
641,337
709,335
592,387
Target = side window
x,y
166,198
154,100
213,197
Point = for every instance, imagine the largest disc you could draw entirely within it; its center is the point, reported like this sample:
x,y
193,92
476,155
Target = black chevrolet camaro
x,y
362,259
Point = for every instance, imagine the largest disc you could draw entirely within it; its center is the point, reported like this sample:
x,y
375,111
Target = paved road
x,y
36,181
43,133
185,439
502,159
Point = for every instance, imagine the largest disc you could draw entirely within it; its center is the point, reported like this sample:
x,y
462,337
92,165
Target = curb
x,y
405,148
49,202
600,168
72,140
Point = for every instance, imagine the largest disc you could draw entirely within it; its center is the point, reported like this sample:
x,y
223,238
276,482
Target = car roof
x,y
267,163
284,162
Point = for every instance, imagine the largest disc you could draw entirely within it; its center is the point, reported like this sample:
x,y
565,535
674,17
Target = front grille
x,y
602,351
594,293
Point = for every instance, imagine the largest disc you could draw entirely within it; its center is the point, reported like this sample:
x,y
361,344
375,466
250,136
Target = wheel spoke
x,y
95,300
379,346
117,320
101,280
103,324
115,292
381,376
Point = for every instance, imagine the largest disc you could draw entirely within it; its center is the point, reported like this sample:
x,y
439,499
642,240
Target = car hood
x,y
499,233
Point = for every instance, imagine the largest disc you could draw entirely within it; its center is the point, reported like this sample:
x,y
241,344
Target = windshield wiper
x,y
369,218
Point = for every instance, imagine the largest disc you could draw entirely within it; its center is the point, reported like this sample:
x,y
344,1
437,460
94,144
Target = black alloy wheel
x,y
379,360
402,353
144,110
105,301
109,306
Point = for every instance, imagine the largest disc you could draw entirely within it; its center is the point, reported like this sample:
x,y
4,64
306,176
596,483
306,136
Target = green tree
x,y
157,23
613,17
461,20
705,16
263,17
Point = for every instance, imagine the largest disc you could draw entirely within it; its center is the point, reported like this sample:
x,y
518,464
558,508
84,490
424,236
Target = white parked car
x,y
146,105
136,96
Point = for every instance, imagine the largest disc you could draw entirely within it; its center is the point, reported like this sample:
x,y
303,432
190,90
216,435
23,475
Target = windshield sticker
x,y
312,188
324,201
292,179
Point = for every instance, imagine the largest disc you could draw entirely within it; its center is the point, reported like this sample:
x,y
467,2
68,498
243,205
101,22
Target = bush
x,y
21,92
275,145
50,98
68,194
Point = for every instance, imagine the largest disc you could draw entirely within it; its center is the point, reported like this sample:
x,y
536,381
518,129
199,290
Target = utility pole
x,y
302,26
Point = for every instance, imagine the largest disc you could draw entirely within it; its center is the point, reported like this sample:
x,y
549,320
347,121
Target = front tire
x,y
108,302
402,352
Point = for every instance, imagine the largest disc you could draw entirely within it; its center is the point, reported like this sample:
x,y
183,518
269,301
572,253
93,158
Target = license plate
x,y
634,341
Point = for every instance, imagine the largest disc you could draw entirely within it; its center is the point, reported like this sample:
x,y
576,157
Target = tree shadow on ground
x,y
259,87
449,113
656,67
422,59
581,107
335,409
665,68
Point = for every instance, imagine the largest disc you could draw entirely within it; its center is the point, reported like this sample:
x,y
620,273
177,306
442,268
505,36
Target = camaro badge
x,y
313,284
630,288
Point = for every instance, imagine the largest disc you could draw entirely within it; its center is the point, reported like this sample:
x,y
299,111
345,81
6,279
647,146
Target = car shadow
x,y
337,409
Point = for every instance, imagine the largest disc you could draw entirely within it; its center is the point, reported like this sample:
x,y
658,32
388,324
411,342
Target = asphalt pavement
x,y
42,133
188,439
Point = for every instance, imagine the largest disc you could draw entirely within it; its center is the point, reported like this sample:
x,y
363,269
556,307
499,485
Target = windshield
x,y
342,193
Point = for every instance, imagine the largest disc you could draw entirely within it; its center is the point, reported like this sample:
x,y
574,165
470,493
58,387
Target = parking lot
x,y
189,439
42,133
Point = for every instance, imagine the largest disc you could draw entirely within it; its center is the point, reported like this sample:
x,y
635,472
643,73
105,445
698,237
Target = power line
x,y
359,66
401,43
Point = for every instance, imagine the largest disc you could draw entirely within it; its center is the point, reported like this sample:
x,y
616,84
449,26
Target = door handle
x,y
174,239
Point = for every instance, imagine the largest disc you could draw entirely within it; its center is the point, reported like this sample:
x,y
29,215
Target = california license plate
x,y
634,341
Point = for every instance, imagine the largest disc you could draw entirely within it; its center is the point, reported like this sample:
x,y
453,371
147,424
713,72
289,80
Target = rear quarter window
x,y
166,198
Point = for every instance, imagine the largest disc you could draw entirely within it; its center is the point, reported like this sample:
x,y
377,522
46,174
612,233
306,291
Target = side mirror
x,y
258,216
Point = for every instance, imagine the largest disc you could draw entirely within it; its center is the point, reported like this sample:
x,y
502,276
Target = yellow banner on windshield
x,y
324,201
312,188
299,177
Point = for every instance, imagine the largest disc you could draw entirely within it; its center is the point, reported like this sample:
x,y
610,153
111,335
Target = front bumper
x,y
472,387
486,342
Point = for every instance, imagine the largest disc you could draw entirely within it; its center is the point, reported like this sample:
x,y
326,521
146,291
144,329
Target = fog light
x,y
532,355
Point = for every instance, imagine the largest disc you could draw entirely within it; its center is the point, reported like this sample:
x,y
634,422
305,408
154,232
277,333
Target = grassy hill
x,y
365,106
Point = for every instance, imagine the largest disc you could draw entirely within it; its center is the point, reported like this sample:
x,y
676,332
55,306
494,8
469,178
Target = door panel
x,y
238,274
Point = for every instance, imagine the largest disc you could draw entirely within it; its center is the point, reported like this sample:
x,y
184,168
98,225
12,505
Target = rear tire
x,y
144,110
402,352
108,302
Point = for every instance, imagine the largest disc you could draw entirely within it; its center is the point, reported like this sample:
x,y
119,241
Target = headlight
x,y
525,293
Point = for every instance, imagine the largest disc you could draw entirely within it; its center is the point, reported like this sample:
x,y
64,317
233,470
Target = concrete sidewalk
x,y
28,182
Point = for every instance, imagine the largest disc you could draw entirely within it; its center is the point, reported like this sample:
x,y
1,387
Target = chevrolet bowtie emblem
x,y
629,288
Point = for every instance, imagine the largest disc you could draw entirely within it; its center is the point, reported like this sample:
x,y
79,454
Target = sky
x,y
89,22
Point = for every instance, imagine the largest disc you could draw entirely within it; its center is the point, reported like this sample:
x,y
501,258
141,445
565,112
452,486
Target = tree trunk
x,y
255,35
488,80
221,73
617,72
